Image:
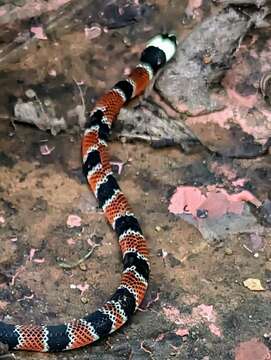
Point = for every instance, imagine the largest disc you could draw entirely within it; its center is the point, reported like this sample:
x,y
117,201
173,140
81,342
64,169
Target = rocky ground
x,y
195,167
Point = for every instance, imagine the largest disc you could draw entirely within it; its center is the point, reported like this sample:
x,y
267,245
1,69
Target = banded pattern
x,y
97,169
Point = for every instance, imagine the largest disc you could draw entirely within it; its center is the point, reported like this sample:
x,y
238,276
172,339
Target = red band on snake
x,y
97,169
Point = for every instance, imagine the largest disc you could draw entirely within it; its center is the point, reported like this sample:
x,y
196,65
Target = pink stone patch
x,y
71,241
205,314
239,182
74,221
215,330
216,201
3,12
252,350
187,199
81,287
173,314
246,196
39,32
249,111
182,332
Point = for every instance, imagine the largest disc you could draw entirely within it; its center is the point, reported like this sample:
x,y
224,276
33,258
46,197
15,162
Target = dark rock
x,y
185,83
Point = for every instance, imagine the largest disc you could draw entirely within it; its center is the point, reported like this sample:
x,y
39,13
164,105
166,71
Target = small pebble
x,y
30,93
127,41
228,251
47,102
83,267
93,32
158,228
207,59
52,72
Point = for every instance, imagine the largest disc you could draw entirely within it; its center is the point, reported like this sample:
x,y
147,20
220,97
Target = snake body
x,y
97,169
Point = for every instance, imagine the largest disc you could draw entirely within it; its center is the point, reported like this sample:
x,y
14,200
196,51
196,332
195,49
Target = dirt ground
x,y
197,307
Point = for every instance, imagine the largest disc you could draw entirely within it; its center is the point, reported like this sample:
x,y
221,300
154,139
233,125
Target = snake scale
x,y
97,169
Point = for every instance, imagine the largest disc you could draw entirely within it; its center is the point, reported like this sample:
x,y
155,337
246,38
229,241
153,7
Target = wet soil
x,y
38,193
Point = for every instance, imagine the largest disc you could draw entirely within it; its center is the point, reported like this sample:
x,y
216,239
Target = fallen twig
x,y
72,265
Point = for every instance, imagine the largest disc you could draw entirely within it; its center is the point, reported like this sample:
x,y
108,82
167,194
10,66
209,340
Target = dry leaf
x,y
253,284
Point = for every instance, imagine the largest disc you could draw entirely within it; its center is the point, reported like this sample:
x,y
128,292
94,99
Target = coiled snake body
x,y
97,169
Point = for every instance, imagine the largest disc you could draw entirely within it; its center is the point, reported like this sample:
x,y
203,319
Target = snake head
x,y
165,42
159,50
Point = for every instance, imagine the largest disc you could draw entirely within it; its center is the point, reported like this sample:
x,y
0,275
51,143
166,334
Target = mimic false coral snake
x,y
97,169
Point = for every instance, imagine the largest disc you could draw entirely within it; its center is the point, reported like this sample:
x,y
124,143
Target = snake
x,y
97,169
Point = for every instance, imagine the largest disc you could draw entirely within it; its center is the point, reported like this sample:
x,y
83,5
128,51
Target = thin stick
x,y
72,265
81,94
